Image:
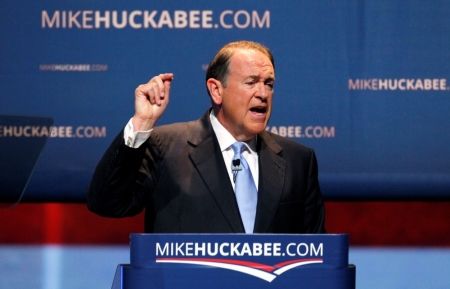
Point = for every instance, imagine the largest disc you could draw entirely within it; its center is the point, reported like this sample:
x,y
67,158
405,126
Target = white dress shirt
x,y
226,140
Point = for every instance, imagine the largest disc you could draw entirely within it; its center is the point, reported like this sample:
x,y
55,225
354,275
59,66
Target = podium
x,y
236,261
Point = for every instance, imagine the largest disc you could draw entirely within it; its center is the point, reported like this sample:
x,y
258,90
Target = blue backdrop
x,y
364,83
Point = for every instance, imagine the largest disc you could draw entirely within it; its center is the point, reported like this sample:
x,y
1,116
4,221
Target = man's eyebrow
x,y
254,76
257,76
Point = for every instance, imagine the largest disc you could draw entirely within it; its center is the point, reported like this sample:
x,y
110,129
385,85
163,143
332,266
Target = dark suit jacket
x,y
179,177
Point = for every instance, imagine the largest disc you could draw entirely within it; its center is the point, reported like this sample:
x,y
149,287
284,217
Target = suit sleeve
x,y
115,189
314,207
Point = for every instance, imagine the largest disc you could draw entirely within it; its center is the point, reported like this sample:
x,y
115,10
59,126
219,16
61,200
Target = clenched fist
x,y
151,100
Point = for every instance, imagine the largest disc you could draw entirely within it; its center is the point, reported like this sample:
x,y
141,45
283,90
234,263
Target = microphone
x,y
236,165
235,168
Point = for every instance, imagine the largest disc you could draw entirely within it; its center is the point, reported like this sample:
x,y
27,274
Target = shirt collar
x,y
224,136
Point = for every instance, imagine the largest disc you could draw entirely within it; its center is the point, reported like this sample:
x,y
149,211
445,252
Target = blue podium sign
x,y
236,261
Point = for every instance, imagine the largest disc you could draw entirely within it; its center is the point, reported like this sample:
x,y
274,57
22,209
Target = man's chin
x,y
257,129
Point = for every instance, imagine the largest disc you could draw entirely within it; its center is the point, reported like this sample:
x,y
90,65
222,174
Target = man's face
x,y
247,98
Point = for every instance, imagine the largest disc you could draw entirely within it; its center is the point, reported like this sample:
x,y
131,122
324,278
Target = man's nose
x,y
262,90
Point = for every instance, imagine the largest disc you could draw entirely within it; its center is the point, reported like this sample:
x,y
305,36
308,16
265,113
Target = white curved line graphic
x,y
288,267
251,271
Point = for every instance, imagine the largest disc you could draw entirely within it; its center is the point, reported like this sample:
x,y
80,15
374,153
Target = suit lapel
x,y
208,159
271,180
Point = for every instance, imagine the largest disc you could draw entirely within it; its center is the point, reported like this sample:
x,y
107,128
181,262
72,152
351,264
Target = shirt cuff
x,y
135,139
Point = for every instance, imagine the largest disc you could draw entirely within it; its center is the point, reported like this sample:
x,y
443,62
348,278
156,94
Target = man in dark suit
x,y
184,175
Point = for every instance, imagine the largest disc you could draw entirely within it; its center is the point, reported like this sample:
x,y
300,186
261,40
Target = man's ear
x,y
215,89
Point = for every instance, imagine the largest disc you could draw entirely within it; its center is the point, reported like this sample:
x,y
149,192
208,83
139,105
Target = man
x,y
188,176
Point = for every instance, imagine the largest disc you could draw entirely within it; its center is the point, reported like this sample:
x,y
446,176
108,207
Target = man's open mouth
x,y
258,109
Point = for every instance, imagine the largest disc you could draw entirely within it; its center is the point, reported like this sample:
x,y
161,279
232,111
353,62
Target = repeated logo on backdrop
x,y
398,84
52,132
154,19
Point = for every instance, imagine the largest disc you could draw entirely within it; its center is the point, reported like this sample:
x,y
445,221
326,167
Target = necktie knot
x,y
238,147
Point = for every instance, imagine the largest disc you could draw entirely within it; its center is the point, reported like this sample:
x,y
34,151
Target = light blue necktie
x,y
245,189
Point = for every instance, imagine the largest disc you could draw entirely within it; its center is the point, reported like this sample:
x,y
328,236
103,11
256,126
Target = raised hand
x,y
151,100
